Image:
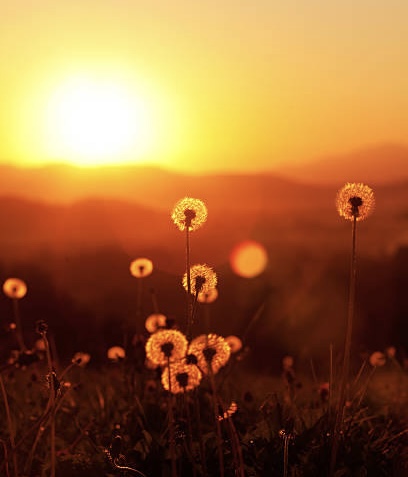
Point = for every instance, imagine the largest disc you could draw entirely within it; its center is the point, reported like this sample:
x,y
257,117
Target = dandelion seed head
x,y
183,377
155,321
202,279
287,362
377,359
212,352
15,288
391,352
189,213
208,296
141,267
166,345
81,359
116,353
234,343
355,200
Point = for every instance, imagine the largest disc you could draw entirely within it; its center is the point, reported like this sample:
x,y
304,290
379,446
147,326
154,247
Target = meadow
x,y
111,370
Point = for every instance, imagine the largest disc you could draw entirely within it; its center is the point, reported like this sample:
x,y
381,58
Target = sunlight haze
x,y
201,85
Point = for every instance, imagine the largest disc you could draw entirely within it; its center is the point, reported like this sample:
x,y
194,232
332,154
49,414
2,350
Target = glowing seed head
x,y
208,296
81,359
212,352
155,321
202,279
355,201
14,288
189,213
141,267
234,343
166,345
180,377
116,353
377,359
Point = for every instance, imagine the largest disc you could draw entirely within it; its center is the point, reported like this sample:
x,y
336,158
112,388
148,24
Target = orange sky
x,y
223,84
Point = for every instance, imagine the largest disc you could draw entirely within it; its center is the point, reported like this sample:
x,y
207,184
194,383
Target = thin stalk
x,y
189,311
172,438
18,330
217,422
285,456
9,425
346,353
51,403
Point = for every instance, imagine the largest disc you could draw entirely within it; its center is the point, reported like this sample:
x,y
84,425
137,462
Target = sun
x,y
91,121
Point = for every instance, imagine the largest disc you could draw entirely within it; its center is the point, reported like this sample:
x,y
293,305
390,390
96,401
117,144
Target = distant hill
x,y
381,164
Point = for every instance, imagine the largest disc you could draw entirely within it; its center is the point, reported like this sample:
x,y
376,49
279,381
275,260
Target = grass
x,y
118,416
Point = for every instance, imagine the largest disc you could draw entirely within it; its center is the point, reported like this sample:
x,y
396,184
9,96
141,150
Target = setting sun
x,y
93,122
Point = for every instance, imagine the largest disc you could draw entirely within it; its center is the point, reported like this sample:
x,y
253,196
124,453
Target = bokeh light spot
x,y
248,259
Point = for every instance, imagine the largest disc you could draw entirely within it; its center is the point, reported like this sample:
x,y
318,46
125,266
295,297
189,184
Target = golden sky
x,y
200,85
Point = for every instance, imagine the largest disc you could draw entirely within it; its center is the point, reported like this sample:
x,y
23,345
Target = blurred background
x,y
112,112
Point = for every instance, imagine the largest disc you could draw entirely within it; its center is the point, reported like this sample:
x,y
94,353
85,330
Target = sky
x,y
200,86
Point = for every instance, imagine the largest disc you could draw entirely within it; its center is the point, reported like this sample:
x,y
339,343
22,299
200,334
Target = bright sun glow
x,y
94,122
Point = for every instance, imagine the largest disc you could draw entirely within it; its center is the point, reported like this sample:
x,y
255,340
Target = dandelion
x,y
212,352
377,359
141,267
81,359
181,377
15,288
116,353
234,343
202,279
209,296
155,321
189,213
355,201
166,346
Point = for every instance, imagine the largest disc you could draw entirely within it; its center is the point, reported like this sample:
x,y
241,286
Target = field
x,y
272,407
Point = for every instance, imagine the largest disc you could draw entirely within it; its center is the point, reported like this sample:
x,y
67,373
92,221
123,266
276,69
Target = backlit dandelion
x,y
189,213
209,296
212,352
141,267
116,353
155,321
377,359
166,346
81,359
355,201
15,288
181,377
234,343
202,279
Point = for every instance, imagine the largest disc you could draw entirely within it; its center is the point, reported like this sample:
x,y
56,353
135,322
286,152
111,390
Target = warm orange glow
x,y
95,121
248,259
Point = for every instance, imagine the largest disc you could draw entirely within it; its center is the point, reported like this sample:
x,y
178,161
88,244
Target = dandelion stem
x,y
19,332
217,422
172,438
346,353
188,297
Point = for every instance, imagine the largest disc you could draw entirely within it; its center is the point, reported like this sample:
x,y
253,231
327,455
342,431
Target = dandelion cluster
x,y
355,201
189,213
